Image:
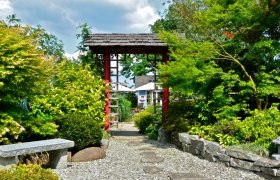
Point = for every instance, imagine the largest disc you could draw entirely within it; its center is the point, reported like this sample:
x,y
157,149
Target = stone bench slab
x,y
11,150
57,149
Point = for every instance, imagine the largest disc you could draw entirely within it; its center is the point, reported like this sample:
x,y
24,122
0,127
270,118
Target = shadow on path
x,y
125,133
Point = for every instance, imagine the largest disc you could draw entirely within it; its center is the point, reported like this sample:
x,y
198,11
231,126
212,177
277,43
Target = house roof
x,y
147,87
121,88
128,43
142,80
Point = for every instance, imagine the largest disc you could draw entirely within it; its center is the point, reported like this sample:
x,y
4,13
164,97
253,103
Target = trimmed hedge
x,y
81,129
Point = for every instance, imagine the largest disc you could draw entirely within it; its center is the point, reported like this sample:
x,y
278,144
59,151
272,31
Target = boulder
x,y
269,171
209,156
244,164
182,137
240,154
194,151
186,148
186,138
223,157
197,146
264,162
267,176
89,154
213,147
162,135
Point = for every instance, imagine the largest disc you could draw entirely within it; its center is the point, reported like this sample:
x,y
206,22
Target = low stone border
x,y
237,158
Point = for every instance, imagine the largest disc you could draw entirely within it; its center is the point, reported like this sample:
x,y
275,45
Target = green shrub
x,y
81,129
132,98
261,128
152,131
28,172
105,134
225,132
124,109
181,116
143,120
38,126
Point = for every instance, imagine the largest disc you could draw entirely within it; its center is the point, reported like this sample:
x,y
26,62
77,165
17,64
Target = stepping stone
x,y
151,169
135,143
145,149
186,176
152,159
148,154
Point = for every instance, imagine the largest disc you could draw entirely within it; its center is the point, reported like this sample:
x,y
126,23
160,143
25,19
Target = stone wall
x,y
236,158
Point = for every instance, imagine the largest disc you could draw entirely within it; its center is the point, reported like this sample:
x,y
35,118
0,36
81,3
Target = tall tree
x,y
45,41
85,55
245,37
49,43
137,65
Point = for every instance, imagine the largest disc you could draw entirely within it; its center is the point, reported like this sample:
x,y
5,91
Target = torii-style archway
x,y
144,43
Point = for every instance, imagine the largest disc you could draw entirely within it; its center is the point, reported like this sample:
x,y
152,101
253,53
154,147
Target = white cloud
x,y
141,18
75,55
62,17
139,13
126,4
5,8
66,13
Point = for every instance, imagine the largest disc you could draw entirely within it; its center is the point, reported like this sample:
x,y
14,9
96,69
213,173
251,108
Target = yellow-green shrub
x,y
261,128
258,129
28,172
143,119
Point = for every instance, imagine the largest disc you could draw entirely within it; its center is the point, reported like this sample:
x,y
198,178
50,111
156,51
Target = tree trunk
x,y
259,103
266,103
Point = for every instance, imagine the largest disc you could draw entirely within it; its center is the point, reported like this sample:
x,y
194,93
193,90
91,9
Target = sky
x,y
62,17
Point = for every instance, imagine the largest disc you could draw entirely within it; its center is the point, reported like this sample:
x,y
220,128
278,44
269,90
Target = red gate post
x,y
107,83
165,59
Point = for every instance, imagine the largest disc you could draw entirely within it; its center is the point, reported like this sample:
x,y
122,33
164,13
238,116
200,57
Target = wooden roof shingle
x,y
116,39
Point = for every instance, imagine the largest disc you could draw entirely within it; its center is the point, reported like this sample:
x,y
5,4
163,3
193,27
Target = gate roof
x,y
142,43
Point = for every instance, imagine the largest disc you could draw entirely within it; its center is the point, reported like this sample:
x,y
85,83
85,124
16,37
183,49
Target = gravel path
x,y
131,156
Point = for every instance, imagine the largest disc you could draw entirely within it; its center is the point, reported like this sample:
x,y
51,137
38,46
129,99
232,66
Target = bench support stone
x,y
6,162
58,159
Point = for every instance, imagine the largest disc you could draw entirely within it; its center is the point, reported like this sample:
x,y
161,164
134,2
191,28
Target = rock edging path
x,y
133,156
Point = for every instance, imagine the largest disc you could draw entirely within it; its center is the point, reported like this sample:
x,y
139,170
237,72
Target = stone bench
x,y
56,148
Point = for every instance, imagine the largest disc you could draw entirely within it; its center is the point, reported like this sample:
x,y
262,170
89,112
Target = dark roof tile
x,y
117,39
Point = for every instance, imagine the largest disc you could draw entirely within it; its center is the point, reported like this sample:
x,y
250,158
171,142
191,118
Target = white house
x,y
147,93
